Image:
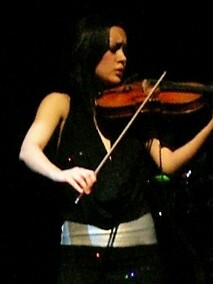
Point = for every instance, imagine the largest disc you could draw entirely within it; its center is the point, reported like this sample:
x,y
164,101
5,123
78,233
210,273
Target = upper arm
x,y
52,111
163,156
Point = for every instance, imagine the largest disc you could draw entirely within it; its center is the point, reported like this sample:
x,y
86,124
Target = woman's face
x,y
111,67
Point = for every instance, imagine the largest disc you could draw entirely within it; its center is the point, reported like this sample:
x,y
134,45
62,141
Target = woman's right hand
x,y
80,179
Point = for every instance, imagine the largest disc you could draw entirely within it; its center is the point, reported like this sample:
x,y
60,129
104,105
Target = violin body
x,y
124,101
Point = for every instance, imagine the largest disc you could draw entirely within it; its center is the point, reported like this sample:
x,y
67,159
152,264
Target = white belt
x,y
137,232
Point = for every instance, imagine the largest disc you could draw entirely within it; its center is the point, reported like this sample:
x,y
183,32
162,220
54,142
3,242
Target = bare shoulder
x,y
56,102
57,97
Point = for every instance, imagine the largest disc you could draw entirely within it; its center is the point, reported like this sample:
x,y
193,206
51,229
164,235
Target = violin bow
x,y
125,129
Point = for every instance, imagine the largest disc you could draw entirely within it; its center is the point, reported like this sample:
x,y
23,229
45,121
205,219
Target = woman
x,y
108,236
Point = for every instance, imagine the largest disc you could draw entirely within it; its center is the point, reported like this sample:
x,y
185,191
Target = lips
x,y
119,71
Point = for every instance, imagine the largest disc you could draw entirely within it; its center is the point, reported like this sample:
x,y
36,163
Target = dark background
x,y
34,38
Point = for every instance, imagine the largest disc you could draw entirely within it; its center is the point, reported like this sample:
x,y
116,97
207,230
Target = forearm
x,y
173,161
36,160
80,179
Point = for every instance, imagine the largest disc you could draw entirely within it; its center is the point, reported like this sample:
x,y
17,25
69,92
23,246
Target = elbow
x,y
169,170
21,155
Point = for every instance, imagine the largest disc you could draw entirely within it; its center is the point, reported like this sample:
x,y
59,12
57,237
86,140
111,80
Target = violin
x,y
170,98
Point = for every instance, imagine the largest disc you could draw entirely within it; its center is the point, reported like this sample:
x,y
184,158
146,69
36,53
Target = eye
x,y
114,48
118,46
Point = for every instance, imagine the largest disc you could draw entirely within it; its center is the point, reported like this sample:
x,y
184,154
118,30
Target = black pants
x,y
92,265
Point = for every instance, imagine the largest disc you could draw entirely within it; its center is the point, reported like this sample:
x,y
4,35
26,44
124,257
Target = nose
x,y
122,56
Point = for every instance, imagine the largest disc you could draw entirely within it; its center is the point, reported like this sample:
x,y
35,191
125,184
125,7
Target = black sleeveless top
x,y
119,195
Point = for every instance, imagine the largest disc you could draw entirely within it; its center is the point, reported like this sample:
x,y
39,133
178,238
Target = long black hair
x,y
90,41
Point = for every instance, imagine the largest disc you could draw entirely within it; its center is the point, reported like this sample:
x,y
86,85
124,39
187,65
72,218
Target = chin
x,y
116,80
113,81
